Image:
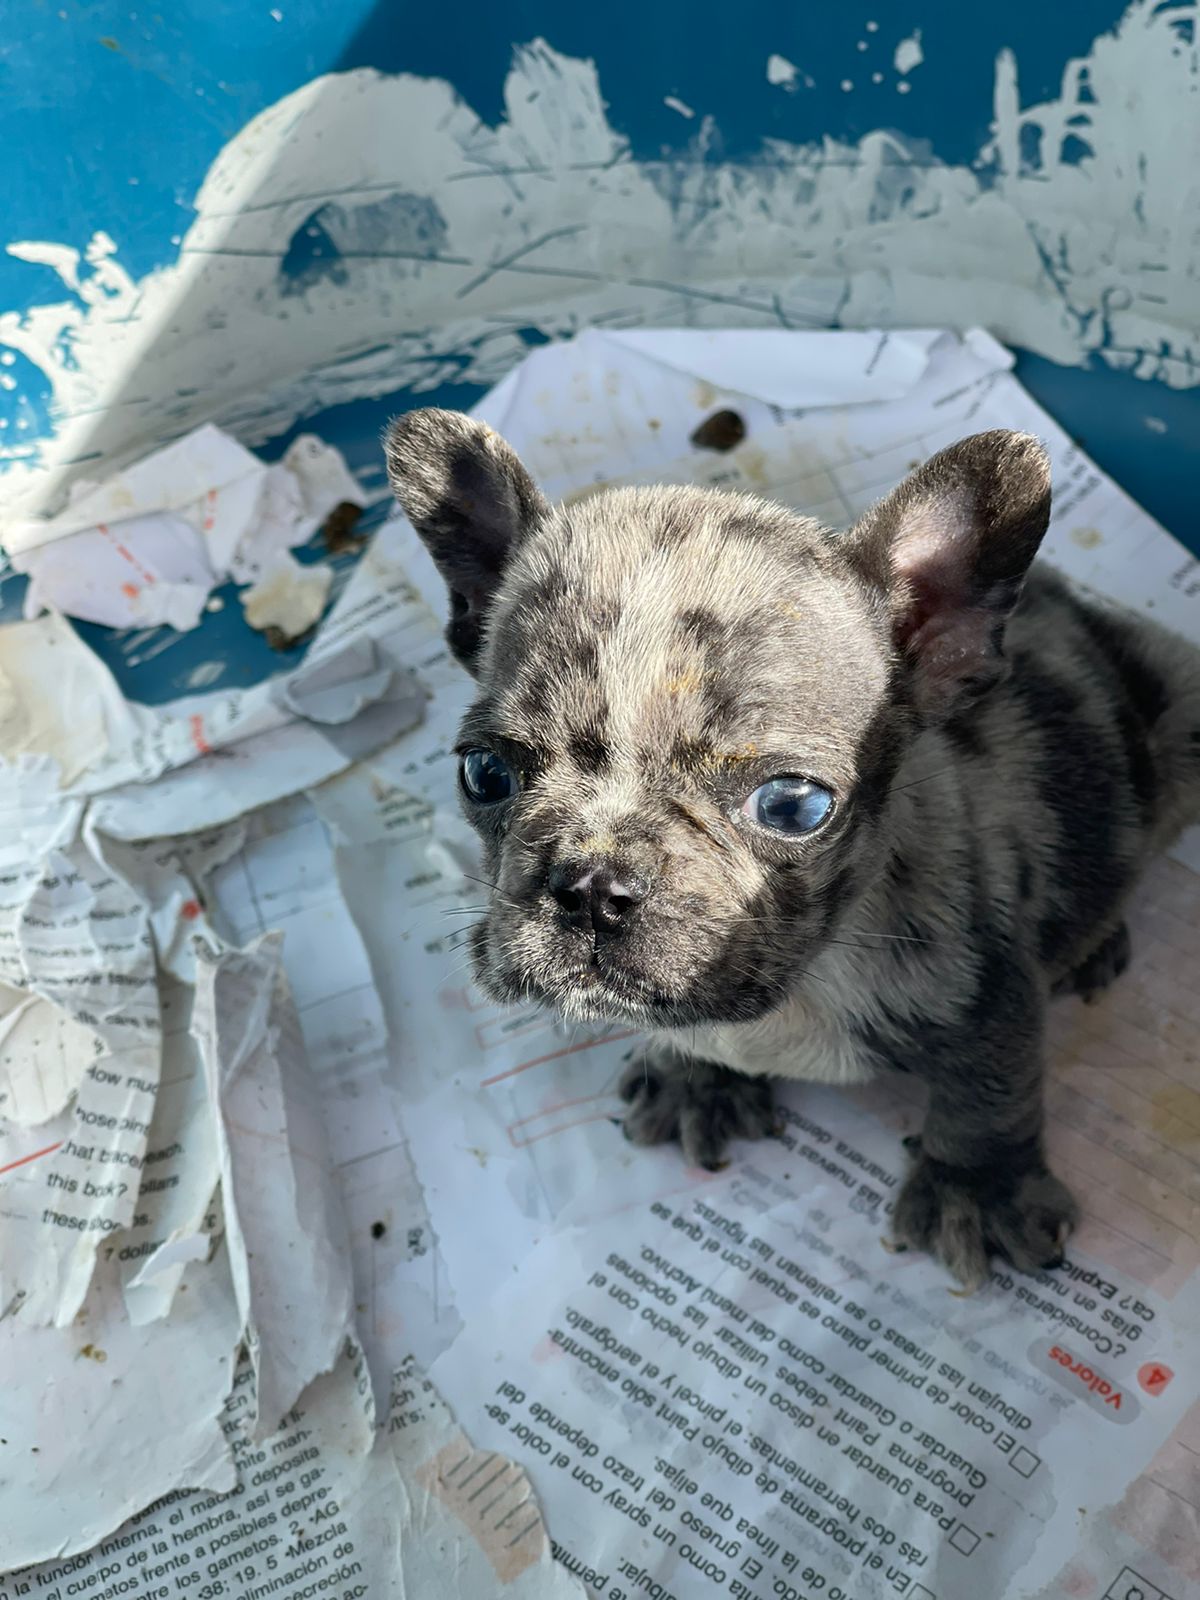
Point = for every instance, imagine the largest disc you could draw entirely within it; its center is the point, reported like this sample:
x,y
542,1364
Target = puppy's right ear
x,y
472,502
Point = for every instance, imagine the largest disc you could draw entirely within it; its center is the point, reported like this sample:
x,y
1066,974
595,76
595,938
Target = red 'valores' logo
x,y
1090,1380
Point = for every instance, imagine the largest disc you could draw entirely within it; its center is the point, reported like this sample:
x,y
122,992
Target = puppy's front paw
x,y
698,1103
963,1216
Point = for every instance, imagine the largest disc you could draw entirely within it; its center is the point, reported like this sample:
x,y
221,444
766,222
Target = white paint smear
x,y
909,53
439,237
675,104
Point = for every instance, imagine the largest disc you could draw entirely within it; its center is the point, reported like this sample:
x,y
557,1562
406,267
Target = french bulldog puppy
x,y
805,804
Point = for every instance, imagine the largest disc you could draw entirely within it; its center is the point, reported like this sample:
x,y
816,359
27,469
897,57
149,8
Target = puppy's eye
x,y
789,805
487,777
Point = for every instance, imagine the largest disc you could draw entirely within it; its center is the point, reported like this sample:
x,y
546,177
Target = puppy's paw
x,y
699,1104
964,1217
1103,967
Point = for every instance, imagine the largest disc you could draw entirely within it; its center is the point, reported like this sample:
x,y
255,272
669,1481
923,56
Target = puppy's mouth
x,y
593,991
601,984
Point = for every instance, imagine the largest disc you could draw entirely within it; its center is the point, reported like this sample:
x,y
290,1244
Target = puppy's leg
x,y
1104,966
698,1103
979,1185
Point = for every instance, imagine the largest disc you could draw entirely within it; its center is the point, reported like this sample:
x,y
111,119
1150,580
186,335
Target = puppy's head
x,y
692,705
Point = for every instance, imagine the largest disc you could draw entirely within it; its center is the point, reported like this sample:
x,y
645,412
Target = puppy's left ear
x,y
950,549
466,493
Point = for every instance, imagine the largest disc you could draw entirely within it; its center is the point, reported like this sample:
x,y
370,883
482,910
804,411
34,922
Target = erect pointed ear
x,y
472,502
950,549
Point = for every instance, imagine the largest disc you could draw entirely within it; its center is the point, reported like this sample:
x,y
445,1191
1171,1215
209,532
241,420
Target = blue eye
x,y
792,806
487,778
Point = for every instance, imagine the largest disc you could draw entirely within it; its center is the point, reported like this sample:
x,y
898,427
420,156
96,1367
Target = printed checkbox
x,y
1025,1462
1130,1585
920,1592
964,1540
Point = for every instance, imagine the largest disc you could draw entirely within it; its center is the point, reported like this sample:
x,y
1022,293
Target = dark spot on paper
x,y
378,1229
279,639
722,431
338,528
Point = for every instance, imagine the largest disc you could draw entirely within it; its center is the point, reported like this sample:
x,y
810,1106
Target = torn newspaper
x,y
328,1505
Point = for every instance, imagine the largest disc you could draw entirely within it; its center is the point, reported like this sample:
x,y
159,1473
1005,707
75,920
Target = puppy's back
x,y
1085,762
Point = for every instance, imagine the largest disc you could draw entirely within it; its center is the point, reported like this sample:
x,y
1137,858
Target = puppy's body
x,y
996,759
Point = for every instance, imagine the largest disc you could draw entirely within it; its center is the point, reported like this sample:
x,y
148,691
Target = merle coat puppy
x,y
804,804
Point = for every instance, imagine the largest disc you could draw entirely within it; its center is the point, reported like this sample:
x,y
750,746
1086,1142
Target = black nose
x,y
595,894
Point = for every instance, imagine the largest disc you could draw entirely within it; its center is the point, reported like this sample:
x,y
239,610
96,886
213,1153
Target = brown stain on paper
x,y
493,1499
1172,1106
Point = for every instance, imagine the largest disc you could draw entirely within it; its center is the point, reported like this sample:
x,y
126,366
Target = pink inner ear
x,y
950,548
954,647
932,559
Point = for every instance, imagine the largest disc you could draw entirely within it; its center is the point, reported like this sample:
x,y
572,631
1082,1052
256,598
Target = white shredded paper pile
x,y
321,1275
147,546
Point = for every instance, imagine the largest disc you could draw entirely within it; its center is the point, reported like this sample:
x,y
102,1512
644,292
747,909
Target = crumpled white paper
x,y
146,546
99,1418
283,1214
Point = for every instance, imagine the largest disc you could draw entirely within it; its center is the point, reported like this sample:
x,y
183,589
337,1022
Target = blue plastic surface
x,y
113,116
